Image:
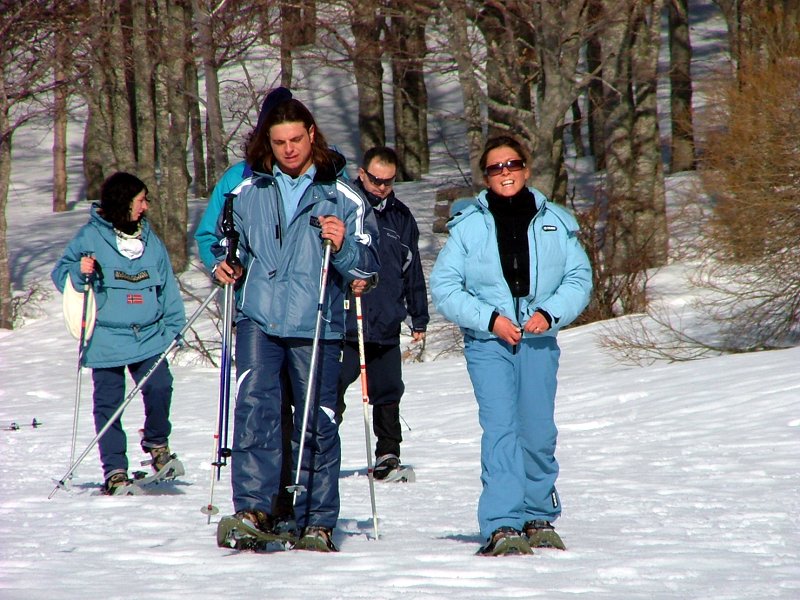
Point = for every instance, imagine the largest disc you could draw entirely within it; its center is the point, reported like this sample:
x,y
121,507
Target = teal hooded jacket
x,y
139,306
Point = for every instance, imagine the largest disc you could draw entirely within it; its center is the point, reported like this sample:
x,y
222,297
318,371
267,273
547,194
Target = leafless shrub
x,y
205,342
27,304
747,284
618,287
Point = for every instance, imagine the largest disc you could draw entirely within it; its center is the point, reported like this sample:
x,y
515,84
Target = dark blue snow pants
x,y
109,394
257,452
385,387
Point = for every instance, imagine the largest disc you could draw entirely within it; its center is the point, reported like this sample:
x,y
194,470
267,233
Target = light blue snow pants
x,y
515,390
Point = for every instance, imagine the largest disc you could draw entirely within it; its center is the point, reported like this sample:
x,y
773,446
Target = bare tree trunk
x,y
620,245
594,92
95,149
196,131
470,89
293,35
142,25
636,216
410,93
680,54
119,108
367,25
501,61
287,67
109,131
217,154
172,128
730,10
648,177
575,129
6,318
60,95
559,36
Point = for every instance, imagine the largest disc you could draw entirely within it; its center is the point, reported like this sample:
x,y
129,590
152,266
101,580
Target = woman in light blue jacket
x,y
139,313
511,274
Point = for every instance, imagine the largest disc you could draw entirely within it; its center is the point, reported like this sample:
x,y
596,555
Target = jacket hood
x,y
107,228
463,207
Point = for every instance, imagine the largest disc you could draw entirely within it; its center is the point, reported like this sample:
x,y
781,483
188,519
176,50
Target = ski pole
x,y
365,403
221,450
232,258
176,340
79,375
323,283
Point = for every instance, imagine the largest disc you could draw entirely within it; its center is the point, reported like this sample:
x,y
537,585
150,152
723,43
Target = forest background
x,y
151,82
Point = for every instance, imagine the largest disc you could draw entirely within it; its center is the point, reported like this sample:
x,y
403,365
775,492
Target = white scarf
x,y
130,246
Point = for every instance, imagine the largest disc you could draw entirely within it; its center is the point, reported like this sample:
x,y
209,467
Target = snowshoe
x,y
118,484
388,469
251,530
166,467
541,534
319,539
505,541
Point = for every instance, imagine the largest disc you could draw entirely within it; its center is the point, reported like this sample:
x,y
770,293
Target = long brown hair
x,y
259,151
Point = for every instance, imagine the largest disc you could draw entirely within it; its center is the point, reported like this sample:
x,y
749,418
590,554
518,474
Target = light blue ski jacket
x,y
283,259
139,306
467,283
206,232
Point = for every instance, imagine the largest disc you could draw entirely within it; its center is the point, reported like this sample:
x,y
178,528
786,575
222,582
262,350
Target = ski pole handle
x,y
229,231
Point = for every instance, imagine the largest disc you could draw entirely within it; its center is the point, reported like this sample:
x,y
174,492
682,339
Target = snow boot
x,y
541,534
166,465
385,465
118,484
316,538
250,530
160,457
505,541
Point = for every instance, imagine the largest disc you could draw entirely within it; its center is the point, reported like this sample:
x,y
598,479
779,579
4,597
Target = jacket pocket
x,y
130,298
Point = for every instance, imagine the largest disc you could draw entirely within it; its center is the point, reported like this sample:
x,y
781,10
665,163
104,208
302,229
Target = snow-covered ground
x,y
678,480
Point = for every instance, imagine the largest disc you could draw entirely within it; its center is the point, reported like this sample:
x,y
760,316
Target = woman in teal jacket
x,y
139,313
511,274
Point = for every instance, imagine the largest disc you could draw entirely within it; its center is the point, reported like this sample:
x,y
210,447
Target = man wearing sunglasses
x,y
401,292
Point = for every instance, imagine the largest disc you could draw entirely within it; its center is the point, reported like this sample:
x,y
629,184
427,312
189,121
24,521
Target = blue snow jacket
x,y
282,260
401,289
139,307
467,283
206,233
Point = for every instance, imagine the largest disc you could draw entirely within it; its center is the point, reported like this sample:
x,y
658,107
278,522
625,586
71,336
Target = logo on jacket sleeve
x,y
549,228
135,299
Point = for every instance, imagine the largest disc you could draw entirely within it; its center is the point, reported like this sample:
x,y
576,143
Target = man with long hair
x,y
284,214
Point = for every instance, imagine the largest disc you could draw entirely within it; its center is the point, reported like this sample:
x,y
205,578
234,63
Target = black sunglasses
x,y
378,182
515,164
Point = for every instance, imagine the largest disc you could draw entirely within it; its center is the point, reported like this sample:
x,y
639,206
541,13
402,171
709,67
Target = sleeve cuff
x,y
492,319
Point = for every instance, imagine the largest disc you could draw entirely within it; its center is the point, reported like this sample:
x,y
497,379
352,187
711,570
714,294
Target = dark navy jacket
x,y
401,289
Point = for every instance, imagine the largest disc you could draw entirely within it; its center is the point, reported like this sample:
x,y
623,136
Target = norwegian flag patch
x,y
135,299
